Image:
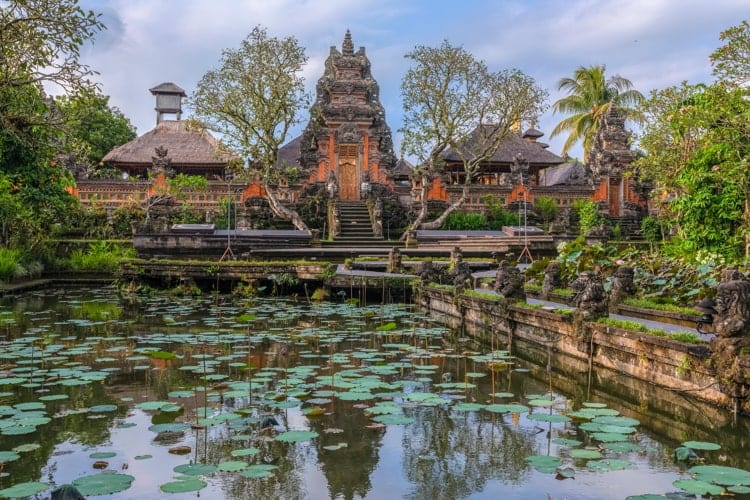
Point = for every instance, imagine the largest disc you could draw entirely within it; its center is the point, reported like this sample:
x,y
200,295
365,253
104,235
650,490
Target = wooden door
x,y
348,181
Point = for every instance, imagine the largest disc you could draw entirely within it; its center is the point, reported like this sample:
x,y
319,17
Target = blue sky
x,y
654,43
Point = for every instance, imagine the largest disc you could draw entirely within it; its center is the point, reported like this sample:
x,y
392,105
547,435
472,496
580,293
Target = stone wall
x,y
665,362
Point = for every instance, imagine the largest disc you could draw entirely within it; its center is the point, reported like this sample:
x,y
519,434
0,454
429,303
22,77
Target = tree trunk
x,y
422,211
283,212
435,224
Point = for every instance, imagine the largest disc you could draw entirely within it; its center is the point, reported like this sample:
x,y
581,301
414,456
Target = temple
x,y
345,154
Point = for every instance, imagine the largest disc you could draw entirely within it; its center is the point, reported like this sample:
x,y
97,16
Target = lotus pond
x,y
221,397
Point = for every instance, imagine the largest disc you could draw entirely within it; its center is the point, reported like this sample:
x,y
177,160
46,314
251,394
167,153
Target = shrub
x,y
101,256
10,260
467,221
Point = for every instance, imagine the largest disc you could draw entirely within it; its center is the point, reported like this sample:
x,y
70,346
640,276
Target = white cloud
x,y
654,43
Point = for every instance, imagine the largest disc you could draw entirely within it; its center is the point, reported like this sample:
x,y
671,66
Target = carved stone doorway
x,y
348,181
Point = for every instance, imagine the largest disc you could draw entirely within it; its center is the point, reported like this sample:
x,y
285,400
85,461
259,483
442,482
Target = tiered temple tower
x,y
347,135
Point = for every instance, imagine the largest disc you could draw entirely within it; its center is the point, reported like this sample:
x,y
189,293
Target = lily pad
x,y
701,445
102,454
258,471
245,452
22,490
698,487
720,474
609,465
103,483
8,456
183,486
544,463
195,469
296,436
585,453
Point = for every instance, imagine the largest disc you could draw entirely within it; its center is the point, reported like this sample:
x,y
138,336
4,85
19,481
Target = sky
x,y
653,43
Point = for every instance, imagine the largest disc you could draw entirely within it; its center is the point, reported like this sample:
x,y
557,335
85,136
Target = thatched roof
x,y
186,146
534,152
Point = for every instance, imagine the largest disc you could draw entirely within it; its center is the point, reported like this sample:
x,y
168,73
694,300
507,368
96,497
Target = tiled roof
x,y
169,88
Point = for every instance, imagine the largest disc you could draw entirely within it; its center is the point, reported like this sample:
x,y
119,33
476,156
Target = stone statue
x,y
730,349
332,186
591,304
509,281
377,218
592,299
552,279
458,271
623,286
427,273
394,260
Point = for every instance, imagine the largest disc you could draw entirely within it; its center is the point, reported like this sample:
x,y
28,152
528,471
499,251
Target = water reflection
x,y
227,364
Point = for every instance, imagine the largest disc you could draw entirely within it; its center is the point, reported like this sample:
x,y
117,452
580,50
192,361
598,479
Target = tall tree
x,y
452,100
40,43
731,61
92,129
253,100
590,95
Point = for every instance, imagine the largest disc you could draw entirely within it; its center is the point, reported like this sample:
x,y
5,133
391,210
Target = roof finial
x,y
348,47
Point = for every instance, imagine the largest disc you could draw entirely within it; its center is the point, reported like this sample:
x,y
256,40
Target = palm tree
x,y
590,96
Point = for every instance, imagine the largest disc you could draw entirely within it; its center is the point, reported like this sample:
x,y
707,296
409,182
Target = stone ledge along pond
x,y
272,397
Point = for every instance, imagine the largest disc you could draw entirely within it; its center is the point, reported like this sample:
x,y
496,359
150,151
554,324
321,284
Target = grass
x,y
659,306
687,337
483,295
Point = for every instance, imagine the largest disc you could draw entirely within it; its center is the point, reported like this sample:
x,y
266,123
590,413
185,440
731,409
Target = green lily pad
x,y
22,490
296,436
701,445
245,452
173,427
8,456
544,463
195,469
23,448
609,437
720,474
258,471
468,406
103,408
102,454
609,465
584,453
183,486
509,408
698,487
104,483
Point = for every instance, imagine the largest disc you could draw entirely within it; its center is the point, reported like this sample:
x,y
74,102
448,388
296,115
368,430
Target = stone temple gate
x,y
347,136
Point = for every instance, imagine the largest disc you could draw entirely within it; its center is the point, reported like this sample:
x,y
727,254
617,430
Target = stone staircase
x,y
356,227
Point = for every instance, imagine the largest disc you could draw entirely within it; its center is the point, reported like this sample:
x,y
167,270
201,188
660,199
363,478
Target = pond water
x,y
221,397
